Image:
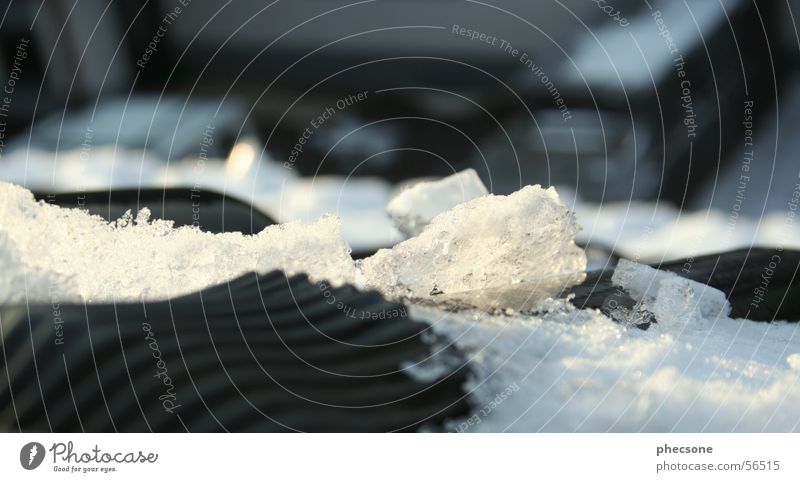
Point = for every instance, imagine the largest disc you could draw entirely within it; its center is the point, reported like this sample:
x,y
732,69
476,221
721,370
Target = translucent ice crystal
x,y
413,208
47,252
484,247
672,299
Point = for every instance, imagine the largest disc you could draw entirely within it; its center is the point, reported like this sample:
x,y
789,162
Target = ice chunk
x,y
672,299
48,252
415,207
524,240
358,201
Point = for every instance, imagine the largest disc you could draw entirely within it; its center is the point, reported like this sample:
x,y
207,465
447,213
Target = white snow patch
x,y
47,252
568,370
413,208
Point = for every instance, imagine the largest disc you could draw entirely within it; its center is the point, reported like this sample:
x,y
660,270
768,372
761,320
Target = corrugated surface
x,y
262,353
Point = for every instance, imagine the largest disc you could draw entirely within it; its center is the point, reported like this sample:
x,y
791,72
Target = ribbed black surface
x,y
262,353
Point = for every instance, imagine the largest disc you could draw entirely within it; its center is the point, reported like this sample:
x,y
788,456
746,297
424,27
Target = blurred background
x,y
668,126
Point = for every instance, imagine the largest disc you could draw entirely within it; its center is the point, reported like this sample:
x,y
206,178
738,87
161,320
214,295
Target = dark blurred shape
x,y
656,106
304,41
591,100
261,353
762,284
208,210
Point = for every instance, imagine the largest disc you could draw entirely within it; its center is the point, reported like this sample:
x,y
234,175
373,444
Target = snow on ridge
x,y
491,241
53,253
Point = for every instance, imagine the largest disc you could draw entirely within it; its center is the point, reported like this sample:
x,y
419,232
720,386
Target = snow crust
x,y
492,242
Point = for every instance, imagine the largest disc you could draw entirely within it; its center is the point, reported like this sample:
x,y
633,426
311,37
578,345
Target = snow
x,y
48,252
492,242
413,208
564,370
491,245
